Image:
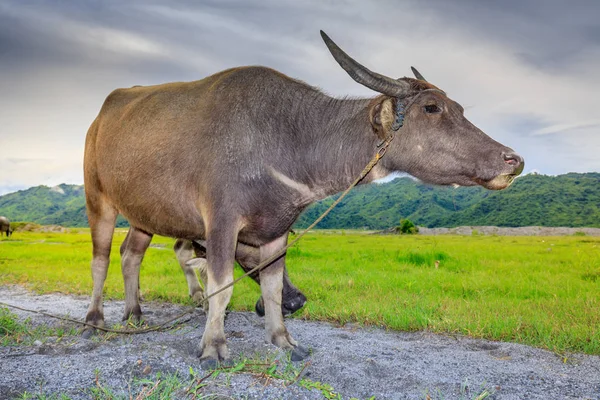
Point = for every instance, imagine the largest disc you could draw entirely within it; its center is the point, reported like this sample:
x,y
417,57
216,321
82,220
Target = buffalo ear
x,y
418,74
382,117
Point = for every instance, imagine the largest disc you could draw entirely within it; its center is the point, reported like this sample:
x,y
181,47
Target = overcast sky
x,y
527,72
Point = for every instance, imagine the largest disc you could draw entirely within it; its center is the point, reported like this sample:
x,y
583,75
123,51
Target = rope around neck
x,y
380,153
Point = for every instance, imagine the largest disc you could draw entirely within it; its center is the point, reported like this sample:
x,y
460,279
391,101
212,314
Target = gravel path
x,y
356,362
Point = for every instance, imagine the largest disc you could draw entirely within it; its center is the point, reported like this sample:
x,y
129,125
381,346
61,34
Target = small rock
x,y
147,369
37,343
139,362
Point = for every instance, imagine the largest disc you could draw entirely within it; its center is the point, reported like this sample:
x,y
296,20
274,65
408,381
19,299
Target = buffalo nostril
x,y
515,161
512,159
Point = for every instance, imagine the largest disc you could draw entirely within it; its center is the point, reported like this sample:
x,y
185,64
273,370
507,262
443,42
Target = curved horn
x,y
418,74
364,76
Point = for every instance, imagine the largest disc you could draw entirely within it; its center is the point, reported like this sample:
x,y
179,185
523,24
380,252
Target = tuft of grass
x,y
540,291
159,387
42,396
268,369
423,258
591,276
14,332
465,393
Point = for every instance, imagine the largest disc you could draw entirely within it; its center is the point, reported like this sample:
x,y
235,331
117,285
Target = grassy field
x,y
541,291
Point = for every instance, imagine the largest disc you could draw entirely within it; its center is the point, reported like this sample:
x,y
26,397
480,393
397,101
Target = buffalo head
x,y
433,140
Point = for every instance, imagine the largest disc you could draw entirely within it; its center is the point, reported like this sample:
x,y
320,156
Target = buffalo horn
x,y
363,75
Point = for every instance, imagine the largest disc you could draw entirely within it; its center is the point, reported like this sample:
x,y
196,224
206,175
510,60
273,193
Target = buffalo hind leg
x,y
248,257
292,299
132,252
220,252
271,286
101,218
184,250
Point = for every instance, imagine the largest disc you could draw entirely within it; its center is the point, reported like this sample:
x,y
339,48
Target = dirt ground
x,y
354,361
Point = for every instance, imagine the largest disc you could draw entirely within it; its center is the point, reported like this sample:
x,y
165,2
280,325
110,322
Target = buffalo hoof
x,y
259,307
299,353
290,305
95,318
208,364
214,352
88,332
133,315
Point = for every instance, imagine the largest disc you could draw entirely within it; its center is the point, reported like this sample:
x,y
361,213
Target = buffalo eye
x,y
432,109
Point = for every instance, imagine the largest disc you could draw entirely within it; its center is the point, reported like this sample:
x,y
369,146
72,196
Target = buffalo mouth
x,y
500,182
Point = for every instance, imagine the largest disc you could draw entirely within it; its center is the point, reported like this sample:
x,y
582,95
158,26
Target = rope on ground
x,y
119,331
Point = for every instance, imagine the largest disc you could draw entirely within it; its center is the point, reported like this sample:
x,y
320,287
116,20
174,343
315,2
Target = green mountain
x,y
571,200
566,200
60,205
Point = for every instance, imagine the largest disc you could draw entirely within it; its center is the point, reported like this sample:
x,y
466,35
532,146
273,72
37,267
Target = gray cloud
x,y
546,33
526,70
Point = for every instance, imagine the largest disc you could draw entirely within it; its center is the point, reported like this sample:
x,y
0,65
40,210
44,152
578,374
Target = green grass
x,y
16,332
541,291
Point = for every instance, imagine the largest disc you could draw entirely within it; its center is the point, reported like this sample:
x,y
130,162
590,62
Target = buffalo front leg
x,y
102,223
220,256
271,284
132,252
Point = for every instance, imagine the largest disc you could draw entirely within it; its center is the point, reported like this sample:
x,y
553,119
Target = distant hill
x,y
59,205
570,200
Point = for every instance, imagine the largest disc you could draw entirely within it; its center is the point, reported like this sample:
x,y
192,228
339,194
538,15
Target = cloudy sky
x,y
527,72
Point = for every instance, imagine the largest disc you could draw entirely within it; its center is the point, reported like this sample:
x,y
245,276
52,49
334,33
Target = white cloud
x,y
566,127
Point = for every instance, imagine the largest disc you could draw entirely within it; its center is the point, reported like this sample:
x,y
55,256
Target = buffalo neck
x,y
334,140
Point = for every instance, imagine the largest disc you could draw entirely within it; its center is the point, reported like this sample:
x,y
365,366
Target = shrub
x,y
24,226
407,227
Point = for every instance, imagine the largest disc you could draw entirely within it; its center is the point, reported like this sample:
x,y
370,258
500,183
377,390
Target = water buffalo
x,y
234,158
5,226
192,256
